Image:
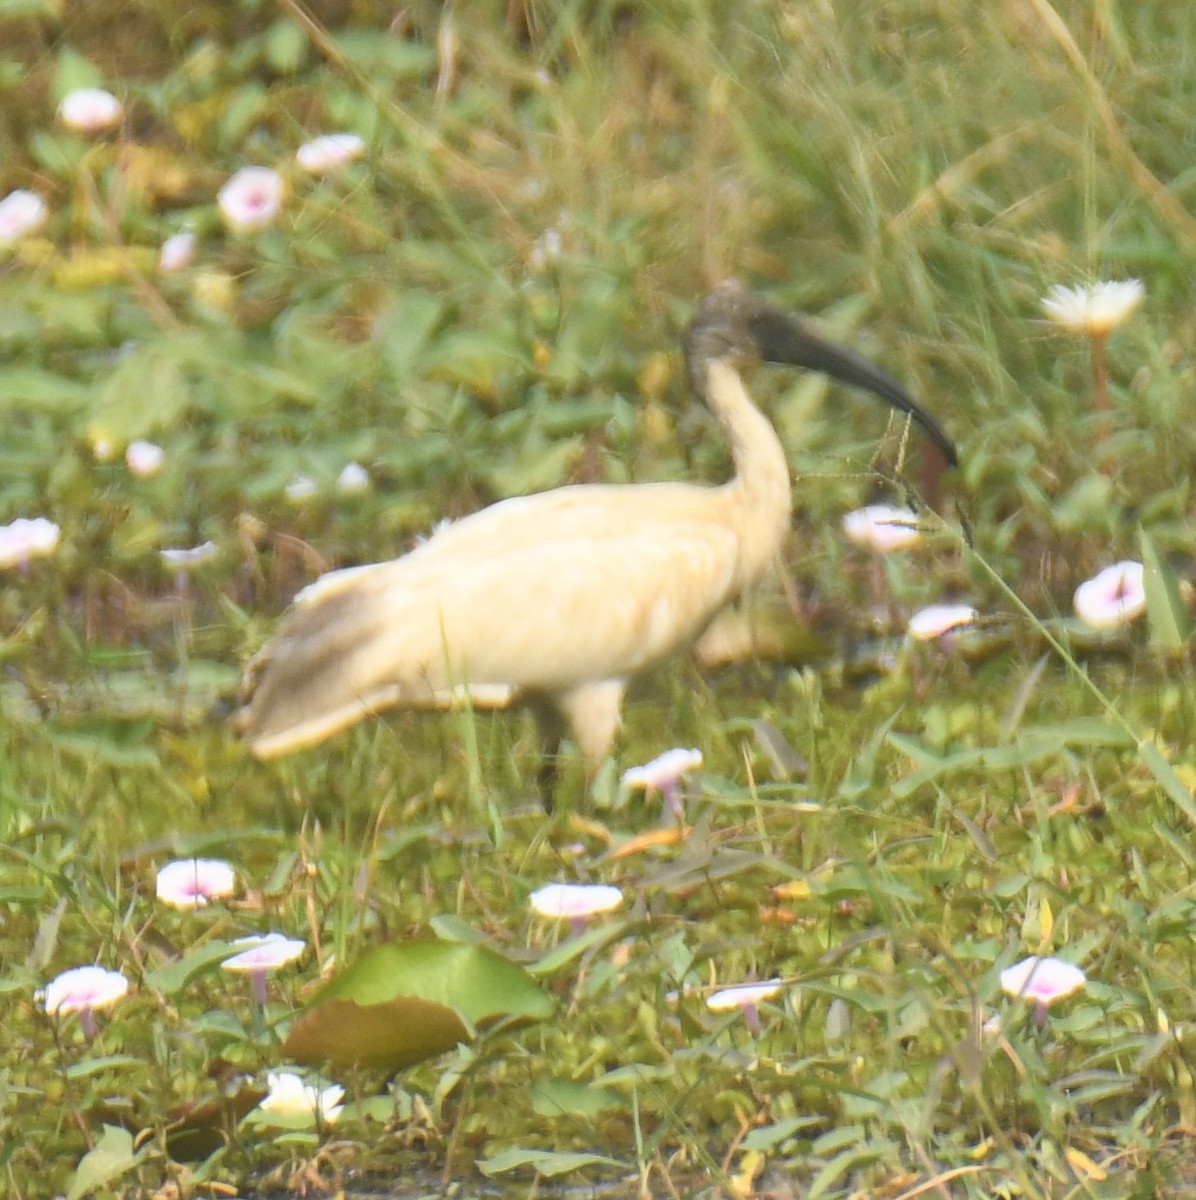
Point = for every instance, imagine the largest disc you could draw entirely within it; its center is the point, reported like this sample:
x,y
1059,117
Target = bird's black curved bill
x,y
784,338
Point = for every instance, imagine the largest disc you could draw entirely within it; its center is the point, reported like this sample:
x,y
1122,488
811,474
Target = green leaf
x,y
768,1136
408,326
145,392
1167,616
111,1158
1152,758
404,1002
567,951
547,1163
558,1097
107,740
176,975
23,388
392,1034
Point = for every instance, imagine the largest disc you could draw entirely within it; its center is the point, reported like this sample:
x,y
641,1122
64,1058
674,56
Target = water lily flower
x,y
251,198
1095,310
193,882
189,558
144,459
329,153
90,110
26,538
664,774
301,488
575,902
936,620
21,212
1113,597
177,251
289,1095
262,954
353,480
1043,982
746,996
882,527
83,990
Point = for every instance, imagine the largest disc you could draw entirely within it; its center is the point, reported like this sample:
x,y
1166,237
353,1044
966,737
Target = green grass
x,y
916,175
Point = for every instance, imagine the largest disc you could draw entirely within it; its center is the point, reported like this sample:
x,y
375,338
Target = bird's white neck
x,y
758,498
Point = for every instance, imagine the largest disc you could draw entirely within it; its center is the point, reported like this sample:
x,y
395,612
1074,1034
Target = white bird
x,y
557,600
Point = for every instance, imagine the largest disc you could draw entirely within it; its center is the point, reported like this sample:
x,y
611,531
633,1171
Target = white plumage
x,y
556,599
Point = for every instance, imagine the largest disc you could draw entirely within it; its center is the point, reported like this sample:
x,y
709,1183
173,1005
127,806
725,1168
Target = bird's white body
x,y
557,599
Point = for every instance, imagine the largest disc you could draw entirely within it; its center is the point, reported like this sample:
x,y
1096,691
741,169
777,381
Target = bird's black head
x,y
733,322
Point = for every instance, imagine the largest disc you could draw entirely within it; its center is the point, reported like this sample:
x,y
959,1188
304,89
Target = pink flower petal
x,y
1042,980
83,989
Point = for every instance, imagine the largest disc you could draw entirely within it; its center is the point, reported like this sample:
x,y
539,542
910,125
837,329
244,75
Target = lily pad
x,y
402,1003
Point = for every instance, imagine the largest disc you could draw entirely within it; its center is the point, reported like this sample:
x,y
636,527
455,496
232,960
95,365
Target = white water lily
x,y
190,557
177,252
353,479
1095,310
21,212
575,901
27,538
935,620
747,997
144,459
329,153
882,527
90,110
291,1096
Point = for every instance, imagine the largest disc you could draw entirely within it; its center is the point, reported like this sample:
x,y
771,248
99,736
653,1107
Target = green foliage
x,y
488,302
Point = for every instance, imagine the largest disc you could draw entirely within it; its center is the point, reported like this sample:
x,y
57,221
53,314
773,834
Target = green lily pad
x,y
405,1002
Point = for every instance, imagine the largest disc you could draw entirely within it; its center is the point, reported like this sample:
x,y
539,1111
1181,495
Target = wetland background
x,y
485,302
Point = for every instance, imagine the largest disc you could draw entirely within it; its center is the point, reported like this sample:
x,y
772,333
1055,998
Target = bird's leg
x,y
551,728
590,713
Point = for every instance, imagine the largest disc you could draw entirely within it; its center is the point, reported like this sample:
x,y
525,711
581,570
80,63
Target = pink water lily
x,y
664,774
1115,596
1043,982
83,990
251,198
260,955
195,882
